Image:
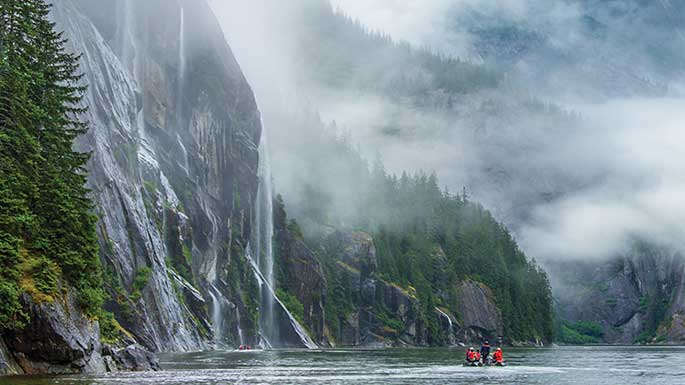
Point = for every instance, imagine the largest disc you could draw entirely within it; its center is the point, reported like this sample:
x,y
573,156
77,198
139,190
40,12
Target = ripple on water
x,y
560,366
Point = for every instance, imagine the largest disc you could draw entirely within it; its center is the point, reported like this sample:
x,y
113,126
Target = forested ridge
x,y
416,225
47,227
427,239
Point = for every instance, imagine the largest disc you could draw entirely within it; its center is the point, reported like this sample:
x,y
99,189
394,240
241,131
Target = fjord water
x,y
563,365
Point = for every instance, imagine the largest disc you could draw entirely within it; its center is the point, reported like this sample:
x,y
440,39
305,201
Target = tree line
x,y
47,226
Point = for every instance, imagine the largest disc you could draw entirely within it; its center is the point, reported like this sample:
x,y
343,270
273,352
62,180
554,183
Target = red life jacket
x,y
498,356
477,356
471,355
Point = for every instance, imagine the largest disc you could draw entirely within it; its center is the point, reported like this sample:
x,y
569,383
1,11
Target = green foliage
x,y
388,319
109,328
45,274
11,313
150,187
579,332
339,302
655,307
293,305
140,281
187,254
431,240
425,238
46,211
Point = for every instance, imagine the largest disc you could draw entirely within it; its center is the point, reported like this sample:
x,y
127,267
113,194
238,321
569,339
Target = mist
x,y
577,187
640,145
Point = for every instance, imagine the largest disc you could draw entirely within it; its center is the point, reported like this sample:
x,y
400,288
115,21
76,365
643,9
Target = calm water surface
x,y
563,365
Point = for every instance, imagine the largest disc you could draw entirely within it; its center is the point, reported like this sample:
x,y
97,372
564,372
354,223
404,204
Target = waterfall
x,y
264,263
216,314
182,50
264,239
240,329
450,328
124,33
304,337
181,88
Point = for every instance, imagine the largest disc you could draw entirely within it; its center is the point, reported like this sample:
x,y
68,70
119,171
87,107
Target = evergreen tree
x,y
47,228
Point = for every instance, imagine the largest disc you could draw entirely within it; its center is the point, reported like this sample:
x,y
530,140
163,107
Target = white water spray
x,y
240,330
304,337
264,264
450,328
181,87
182,49
264,238
124,37
216,313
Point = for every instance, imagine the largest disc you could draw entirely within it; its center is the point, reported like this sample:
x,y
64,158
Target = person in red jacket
x,y
477,354
471,355
499,358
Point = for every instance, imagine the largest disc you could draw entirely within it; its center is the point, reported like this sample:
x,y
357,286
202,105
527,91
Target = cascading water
x,y
216,314
264,240
450,328
124,34
240,330
264,263
182,50
304,337
181,87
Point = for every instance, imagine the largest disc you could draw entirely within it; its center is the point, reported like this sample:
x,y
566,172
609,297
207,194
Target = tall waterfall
x,y
264,241
263,265
124,33
182,49
181,88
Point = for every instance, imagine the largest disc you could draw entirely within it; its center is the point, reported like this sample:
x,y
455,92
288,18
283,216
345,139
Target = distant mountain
x,y
580,49
494,121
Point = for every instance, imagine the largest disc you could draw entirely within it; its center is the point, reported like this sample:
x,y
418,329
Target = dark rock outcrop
x,y
354,264
132,358
58,339
8,366
480,317
384,313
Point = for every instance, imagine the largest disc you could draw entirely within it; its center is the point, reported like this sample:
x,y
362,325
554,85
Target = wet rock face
x,y
300,274
387,314
480,316
8,366
355,249
638,293
355,267
174,129
132,358
59,339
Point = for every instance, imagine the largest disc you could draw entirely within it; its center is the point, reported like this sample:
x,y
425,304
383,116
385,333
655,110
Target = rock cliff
x,y
352,305
174,128
173,131
60,339
636,297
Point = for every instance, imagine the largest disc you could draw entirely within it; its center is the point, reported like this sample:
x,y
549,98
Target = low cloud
x,y
642,195
578,191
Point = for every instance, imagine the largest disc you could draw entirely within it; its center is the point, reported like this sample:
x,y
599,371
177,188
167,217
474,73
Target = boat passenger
x,y
471,355
498,356
485,349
